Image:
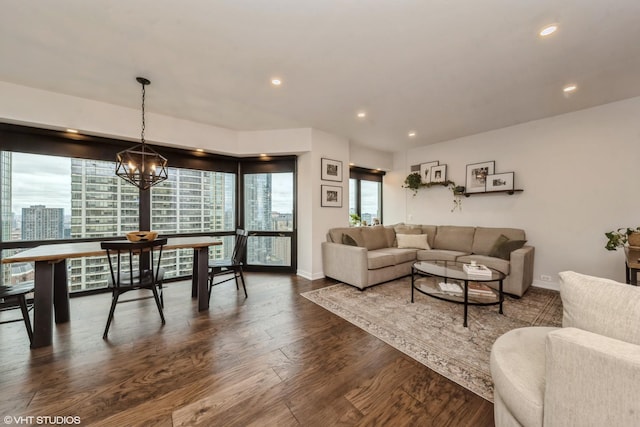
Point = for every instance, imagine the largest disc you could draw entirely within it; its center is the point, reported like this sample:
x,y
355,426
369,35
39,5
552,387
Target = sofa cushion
x,y
454,238
588,303
518,370
348,240
439,254
491,262
485,238
505,248
379,259
335,234
391,235
412,241
374,237
401,255
430,231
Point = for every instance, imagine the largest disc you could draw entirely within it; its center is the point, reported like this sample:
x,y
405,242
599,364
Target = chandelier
x,y
140,165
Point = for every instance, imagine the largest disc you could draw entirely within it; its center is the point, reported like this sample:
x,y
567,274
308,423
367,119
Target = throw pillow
x,y
496,245
412,241
348,240
505,249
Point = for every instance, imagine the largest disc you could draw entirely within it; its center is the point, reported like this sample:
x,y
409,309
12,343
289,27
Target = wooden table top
x,y
60,251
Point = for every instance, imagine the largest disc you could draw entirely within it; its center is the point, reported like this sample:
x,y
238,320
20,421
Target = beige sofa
x,y
586,373
376,257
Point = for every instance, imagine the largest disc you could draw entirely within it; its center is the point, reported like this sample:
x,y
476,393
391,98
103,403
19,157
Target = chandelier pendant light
x,y
140,165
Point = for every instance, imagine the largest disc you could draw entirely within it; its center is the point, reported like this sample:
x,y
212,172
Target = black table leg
x,y
43,304
202,275
60,292
194,274
466,302
412,283
501,296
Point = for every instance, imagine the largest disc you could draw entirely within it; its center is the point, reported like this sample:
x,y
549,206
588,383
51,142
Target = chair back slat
x,y
240,246
118,249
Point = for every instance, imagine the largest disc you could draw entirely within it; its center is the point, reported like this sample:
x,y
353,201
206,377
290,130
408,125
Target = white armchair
x,y
586,373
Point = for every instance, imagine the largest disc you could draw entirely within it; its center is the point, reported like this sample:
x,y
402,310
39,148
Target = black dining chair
x,y
233,266
19,292
134,265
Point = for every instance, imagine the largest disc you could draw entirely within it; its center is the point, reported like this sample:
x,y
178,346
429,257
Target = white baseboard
x,y
310,276
546,285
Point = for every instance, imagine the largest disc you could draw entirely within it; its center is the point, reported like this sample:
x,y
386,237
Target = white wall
x,y
579,173
369,158
314,220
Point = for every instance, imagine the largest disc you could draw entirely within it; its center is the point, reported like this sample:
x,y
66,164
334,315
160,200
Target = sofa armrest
x,y
345,263
521,268
591,380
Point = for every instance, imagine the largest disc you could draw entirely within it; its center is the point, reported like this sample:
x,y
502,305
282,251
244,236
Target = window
x,y
365,195
268,205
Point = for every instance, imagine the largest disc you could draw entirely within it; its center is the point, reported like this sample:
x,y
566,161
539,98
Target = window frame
x,y
361,174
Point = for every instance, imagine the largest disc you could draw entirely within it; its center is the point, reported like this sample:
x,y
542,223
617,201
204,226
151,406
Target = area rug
x,y
430,330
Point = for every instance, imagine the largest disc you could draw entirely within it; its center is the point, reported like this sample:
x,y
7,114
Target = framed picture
x,y
439,173
477,176
331,196
500,181
425,171
331,170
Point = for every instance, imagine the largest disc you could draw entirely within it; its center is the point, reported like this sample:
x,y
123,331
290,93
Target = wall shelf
x,y
509,192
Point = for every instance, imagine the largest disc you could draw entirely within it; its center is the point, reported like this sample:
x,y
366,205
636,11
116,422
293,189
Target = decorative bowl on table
x,y
142,236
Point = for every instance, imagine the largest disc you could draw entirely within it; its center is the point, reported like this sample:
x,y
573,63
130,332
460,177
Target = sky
x,y
46,180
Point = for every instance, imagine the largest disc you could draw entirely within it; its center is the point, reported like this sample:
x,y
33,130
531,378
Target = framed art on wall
x,y
438,173
477,176
500,181
331,170
425,171
331,196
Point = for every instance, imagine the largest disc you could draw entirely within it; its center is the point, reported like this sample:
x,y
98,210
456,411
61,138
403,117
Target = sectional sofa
x,y
366,256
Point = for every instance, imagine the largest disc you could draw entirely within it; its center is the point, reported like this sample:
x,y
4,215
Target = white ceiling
x,y
443,68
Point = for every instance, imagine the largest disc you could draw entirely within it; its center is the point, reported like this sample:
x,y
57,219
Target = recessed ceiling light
x,y
548,30
72,131
570,88
199,150
412,134
263,155
276,82
351,164
362,114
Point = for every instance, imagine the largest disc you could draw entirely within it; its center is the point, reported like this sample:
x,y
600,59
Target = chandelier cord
x,y
143,123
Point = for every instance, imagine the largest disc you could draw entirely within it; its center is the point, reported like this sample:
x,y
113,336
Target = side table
x,y
632,264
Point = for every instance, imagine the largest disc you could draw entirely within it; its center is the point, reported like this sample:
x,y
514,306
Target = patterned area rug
x,y
431,331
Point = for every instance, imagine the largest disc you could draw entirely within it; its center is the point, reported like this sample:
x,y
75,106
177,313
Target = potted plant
x,y
354,219
621,237
413,181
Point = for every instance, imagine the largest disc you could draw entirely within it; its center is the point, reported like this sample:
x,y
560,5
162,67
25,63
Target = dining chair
x,y
19,292
233,266
132,269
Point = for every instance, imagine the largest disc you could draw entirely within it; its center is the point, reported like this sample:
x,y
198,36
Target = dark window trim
x,y
362,174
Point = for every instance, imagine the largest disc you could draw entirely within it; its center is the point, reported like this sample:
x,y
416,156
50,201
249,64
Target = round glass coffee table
x,y
456,286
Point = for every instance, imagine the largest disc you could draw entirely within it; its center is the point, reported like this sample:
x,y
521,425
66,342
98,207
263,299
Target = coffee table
x,y
454,271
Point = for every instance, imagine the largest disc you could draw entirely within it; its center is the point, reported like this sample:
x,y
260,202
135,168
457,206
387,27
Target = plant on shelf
x,y
414,182
354,219
621,237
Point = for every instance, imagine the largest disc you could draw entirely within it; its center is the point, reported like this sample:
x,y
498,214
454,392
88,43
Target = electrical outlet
x,y
545,277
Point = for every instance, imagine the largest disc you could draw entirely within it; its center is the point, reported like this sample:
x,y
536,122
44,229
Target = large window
x,y
268,206
62,188
365,195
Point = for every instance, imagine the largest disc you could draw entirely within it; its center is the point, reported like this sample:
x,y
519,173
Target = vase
x,y
634,239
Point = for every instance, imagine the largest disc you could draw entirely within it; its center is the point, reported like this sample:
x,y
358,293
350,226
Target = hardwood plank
x,y
273,358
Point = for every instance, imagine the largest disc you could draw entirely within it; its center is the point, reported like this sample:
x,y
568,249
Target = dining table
x,y
51,292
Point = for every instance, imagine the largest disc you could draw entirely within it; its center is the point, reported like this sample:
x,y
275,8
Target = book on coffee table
x,y
450,288
476,270
479,289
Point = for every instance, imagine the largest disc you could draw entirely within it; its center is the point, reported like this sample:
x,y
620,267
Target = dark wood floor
x,y
274,359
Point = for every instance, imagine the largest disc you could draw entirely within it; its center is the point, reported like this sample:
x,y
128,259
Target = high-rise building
x,y
5,195
40,223
104,205
258,207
